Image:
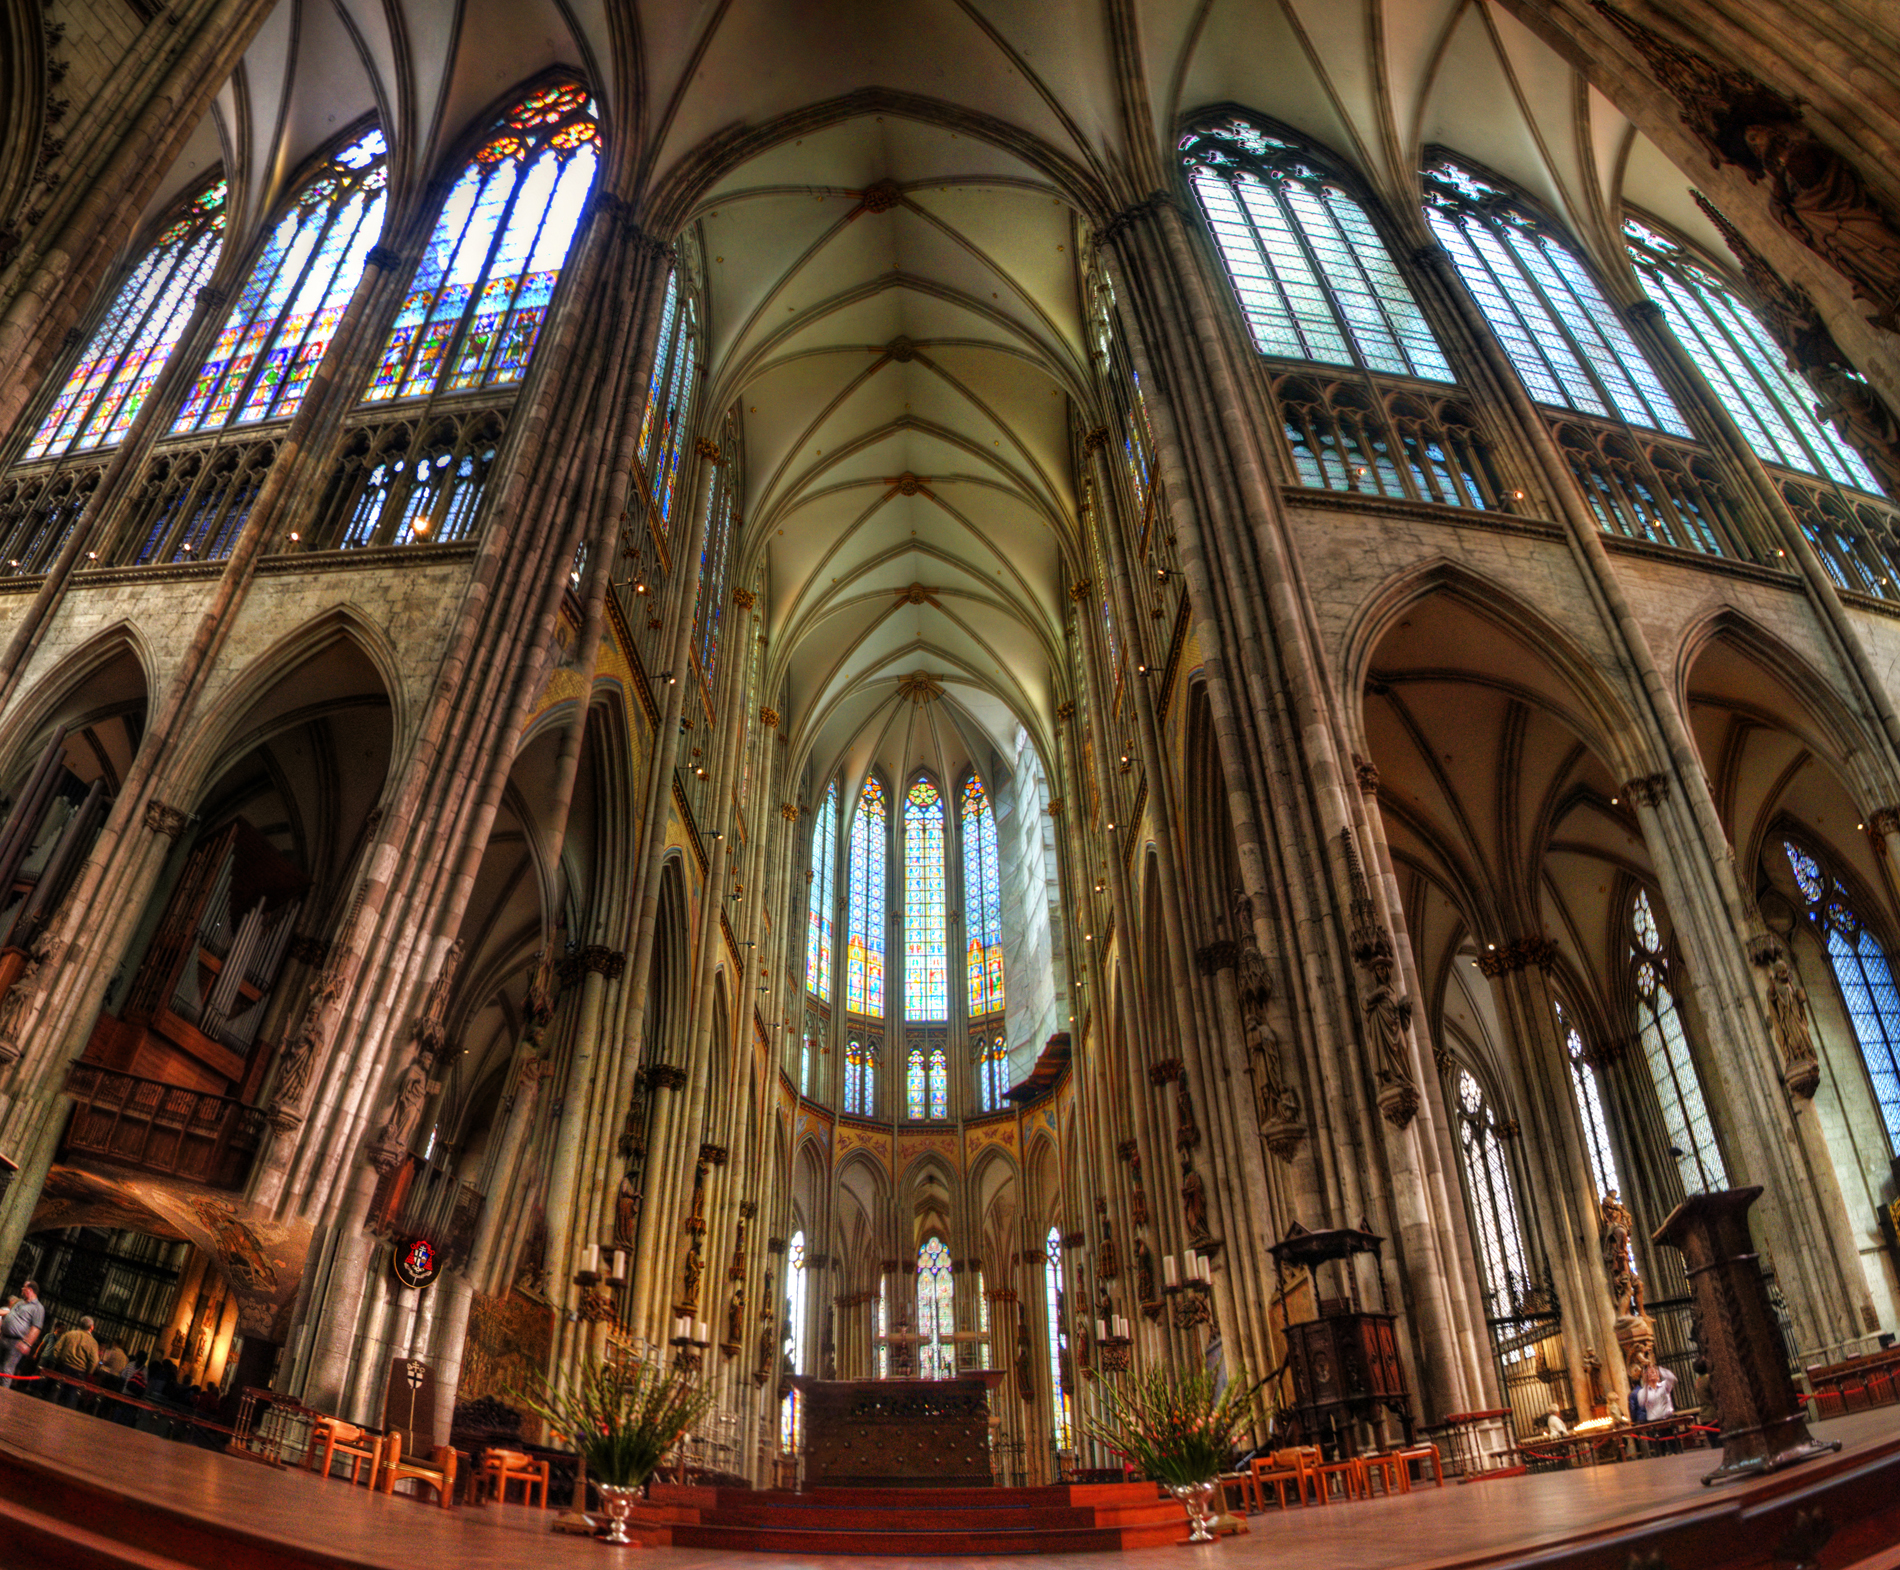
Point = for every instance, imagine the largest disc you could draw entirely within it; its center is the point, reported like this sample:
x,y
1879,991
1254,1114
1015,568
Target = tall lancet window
x,y
668,414
1315,281
936,1312
290,305
860,1076
477,303
1773,407
864,921
1588,1091
1493,1199
824,866
982,901
991,1051
1685,1113
926,963
1058,1340
103,391
1865,977
715,557
790,1412
1566,340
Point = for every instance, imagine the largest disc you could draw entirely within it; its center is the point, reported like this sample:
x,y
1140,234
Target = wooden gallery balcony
x,y
166,1129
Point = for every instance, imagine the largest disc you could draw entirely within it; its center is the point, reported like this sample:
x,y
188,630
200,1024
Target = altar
x,y
898,1433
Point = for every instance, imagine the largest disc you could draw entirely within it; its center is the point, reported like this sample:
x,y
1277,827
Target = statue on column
x,y
1276,1104
1388,1012
1194,1205
1820,198
1788,1013
626,1212
1635,1332
735,1321
1145,1272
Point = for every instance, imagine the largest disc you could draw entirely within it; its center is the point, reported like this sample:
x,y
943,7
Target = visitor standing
x,y
1658,1393
20,1330
75,1353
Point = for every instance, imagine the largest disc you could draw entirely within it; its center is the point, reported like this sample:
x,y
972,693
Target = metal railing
x,y
162,1128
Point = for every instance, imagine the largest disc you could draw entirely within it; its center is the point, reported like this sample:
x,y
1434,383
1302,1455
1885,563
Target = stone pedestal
x,y
1764,1426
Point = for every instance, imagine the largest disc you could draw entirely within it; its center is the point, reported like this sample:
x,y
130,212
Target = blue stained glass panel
x,y
982,901
824,863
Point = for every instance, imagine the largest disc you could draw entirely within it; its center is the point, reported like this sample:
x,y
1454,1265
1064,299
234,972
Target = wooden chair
x,y
1348,1474
498,1468
438,1471
1389,1469
1415,1454
331,1437
1268,1474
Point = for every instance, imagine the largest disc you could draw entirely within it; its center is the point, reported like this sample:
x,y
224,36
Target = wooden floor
x,y
75,1491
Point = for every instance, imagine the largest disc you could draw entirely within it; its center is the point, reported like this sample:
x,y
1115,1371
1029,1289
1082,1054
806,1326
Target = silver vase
x,y
1196,1496
617,1504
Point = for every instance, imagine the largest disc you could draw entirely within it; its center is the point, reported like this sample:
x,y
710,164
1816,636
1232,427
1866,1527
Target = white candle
x,y
1171,1272
1204,1267
620,1264
590,1259
1101,1330
1121,1328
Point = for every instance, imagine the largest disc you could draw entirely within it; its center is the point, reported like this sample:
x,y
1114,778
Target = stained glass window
x,y
129,347
1058,1340
668,413
1866,981
939,1083
982,901
1315,281
1685,1113
991,1051
926,961
1743,366
479,298
824,863
916,1086
790,1410
982,1321
1564,337
864,921
860,1078
1589,1095
289,307
1493,1200
715,555
936,1312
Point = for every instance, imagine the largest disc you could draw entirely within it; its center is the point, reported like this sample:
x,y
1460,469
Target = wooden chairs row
x,y
332,1439
1309,1479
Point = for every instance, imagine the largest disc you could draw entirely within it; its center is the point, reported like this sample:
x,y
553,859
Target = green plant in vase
x,y
622,1418
1177,1429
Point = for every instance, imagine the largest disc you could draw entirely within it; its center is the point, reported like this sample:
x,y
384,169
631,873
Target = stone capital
x,y
666,1076
1166,1072
608,964
1648,790
163,818
386,257
1221,954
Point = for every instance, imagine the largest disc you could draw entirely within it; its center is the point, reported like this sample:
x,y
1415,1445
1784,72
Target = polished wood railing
x,y
161,1128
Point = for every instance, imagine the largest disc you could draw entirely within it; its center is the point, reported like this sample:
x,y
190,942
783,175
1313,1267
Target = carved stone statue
x,y
1820,198
413,1087
1194,1204
735,1317
626,1212
1626,1290
693,1269
1388,1018
1145,1272
1788,1011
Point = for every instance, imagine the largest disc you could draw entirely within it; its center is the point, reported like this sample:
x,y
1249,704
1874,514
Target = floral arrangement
x,y
1178,1430
622,1417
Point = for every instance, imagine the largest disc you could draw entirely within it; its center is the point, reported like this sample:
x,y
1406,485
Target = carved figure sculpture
x,y
626,1212
1788,1012
735,1317
1145,1272
1626,1290
1194,1204
1820,198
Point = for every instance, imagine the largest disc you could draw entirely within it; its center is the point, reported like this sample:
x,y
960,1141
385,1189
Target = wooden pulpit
x,y
1764,1425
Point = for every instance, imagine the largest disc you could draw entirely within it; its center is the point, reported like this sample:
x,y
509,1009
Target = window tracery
x,y
926,960
1314,278
824,862
1587,1090
936,1312
724,483
1565,338
1865,976
1748,374
790,1410
667,416
860,1076
1685,1112
1493,1196
991,1051
480,295
864,923
982,901
1058,1340
290,305
122,358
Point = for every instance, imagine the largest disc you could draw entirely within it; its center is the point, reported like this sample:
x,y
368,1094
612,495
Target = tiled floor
x,y
1428,1527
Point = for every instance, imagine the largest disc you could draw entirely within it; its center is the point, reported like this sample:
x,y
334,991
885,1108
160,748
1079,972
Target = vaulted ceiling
x,y
888,201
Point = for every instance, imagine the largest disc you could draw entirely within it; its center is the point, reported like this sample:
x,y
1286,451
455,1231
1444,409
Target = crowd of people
x,y
74,1369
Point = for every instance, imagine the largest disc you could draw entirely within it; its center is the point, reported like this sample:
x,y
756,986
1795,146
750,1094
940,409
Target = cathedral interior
x,y
560,802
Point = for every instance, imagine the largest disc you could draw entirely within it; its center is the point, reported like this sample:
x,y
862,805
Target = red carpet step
x,y
1066,1518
